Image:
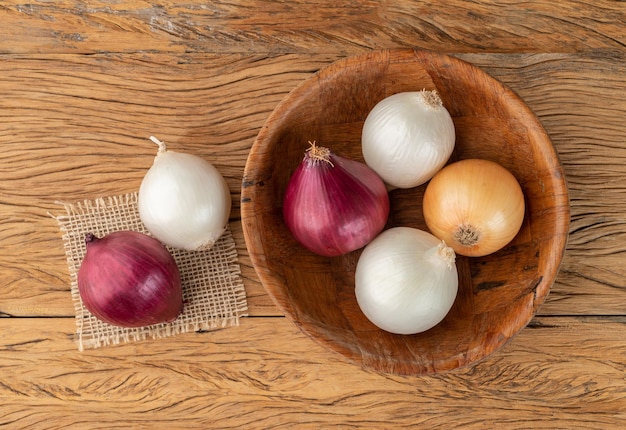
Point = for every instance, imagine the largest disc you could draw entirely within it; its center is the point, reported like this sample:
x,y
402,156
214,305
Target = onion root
x,y
467,235
431,99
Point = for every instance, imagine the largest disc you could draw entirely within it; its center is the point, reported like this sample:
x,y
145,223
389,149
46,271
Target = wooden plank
x,y
572,368
71,26
84,136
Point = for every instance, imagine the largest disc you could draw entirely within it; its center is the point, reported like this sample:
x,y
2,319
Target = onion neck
x,y
162,147
90,238
431,99
442,252
318,153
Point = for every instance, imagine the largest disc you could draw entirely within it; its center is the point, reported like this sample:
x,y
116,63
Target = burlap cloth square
x,y
213,292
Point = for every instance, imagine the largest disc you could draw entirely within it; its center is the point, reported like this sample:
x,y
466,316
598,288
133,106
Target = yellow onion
x,y
476,206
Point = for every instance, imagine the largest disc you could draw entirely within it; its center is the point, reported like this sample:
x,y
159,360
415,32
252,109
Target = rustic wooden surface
x,y
82,86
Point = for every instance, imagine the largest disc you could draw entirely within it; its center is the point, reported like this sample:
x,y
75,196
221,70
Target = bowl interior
x,y
498,294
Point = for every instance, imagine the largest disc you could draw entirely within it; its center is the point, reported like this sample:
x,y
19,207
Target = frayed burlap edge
x,y
213,290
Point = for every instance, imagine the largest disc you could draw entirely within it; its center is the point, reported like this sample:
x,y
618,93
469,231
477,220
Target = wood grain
x,y
311,26
573,373
83,84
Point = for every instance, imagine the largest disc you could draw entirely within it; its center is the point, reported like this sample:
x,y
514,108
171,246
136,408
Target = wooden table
x,y
82,86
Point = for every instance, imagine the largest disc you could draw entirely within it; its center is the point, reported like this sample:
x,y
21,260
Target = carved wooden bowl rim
x,y
498,294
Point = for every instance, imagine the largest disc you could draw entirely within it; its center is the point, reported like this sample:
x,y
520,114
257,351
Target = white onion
x,y
408,137
184,201
406,280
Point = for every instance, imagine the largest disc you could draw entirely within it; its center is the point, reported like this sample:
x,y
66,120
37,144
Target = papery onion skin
x,y
129,279
336,206
475,205
184,201
406,281
407,137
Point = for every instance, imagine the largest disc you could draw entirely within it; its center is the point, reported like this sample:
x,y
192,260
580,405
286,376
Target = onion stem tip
x,y
90,237
319,153
431,99
162,147
447,253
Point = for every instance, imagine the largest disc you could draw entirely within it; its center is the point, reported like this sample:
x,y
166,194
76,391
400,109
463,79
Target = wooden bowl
x,y
498,294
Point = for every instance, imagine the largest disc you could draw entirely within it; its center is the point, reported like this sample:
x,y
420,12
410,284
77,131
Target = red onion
x,y
334,205
129,279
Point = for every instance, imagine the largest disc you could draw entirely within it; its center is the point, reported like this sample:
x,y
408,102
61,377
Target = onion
x,y
334,205
406,280
476,206
408,137
184,201
129,279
